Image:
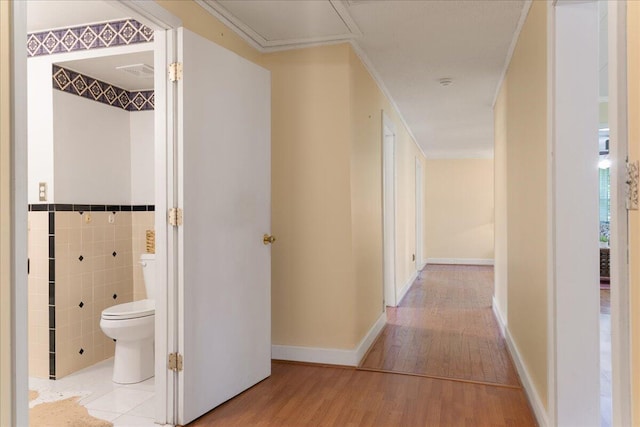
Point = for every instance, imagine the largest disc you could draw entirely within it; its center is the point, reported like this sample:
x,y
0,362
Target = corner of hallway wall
x,y
366,101
6,385
521,206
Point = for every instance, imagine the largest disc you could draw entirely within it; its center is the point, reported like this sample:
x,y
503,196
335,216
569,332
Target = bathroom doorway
x,y
91,219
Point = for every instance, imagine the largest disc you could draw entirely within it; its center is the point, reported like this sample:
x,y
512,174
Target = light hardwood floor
x,y
443,328
302,395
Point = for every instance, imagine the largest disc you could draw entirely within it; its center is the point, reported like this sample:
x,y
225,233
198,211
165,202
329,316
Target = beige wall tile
x,y
94,281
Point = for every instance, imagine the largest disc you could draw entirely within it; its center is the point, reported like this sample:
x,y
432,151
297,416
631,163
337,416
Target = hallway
x,y
445,328
462,342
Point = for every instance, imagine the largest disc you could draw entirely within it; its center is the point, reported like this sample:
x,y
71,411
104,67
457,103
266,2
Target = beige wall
x,y
633,81
6,385
525,104
313,293
459,199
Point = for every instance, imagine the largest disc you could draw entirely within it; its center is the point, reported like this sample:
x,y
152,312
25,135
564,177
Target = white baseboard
x,y
461,261
330,356
538,408
502,323
405,287
422,266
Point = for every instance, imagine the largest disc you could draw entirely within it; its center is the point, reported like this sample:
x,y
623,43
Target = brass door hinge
x,y
175,217
175,71
632,185
175,362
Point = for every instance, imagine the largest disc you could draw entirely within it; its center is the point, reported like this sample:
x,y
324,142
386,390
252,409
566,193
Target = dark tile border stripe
x,y
52,290
65,207
78,84
95,36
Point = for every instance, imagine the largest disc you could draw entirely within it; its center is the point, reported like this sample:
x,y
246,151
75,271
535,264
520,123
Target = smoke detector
x,y
142,71
444,82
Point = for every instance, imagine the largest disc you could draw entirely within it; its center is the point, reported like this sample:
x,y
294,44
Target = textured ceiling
x,y
48,14
409,45
413,44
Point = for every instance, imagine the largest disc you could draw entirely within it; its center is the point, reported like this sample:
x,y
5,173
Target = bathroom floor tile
x,y
146,409
147,385
120,400
124,405
104,415
130,421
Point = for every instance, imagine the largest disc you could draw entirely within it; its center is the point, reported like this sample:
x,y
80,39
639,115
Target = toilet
x,y
131,325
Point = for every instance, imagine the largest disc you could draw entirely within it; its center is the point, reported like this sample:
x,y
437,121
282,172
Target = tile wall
x,y
38,294
141,222
92,256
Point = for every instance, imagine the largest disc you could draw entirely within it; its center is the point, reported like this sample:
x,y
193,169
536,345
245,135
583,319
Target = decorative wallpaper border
x,y
78,84
95,36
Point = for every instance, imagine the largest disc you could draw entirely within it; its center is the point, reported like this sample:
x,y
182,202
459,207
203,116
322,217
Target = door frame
x,y
620,293
389,290
164,22
573,329
419,215
620,324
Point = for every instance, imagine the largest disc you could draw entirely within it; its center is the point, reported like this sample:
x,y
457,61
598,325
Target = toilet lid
x,y
130,310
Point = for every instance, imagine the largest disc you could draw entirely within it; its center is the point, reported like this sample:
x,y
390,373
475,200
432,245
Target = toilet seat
x,y
130,310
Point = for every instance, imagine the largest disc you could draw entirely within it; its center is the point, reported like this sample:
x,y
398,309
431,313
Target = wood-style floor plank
x,y
306,395
445,328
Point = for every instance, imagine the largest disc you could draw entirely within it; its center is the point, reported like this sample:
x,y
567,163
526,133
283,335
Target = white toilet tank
x,y
148,263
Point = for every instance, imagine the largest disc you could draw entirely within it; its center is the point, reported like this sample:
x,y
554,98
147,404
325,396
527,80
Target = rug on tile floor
x,y
67,413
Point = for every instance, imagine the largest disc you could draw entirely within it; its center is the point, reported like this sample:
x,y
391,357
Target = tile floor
x,y
123,405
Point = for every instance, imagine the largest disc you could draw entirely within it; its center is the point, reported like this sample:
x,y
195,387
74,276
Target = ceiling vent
x,y
142,71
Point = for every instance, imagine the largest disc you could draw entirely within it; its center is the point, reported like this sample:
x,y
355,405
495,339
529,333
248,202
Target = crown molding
x,y
263,45
512,48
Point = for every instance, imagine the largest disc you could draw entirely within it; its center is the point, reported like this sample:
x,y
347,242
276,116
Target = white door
x,y
224,189
419,202
389,211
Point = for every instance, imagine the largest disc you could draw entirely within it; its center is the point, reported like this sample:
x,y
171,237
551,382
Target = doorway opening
x,y
419,213
389,209
93,120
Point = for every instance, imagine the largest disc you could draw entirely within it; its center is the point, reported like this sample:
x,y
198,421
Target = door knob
x,y
268,239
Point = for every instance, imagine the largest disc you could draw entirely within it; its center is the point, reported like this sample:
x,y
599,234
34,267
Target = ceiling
x,y
408,45
105,68
49,15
